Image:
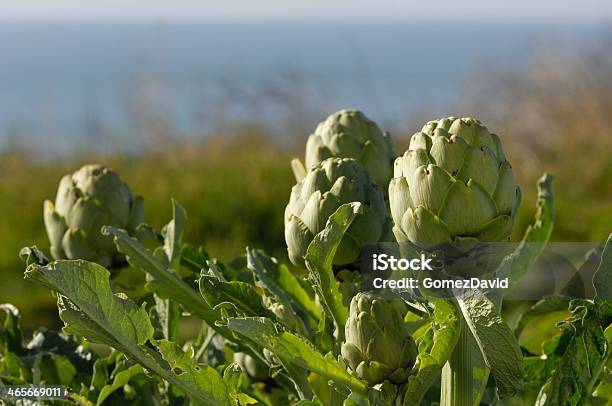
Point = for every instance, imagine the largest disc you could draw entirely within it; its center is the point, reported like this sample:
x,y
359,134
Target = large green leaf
x,y
165,283
291,349
89,308
240,295
319,258
497,344
517,264
86,286
192,375
576,358
283,284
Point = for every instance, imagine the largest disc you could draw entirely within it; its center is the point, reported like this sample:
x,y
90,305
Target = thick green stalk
x,y
458,373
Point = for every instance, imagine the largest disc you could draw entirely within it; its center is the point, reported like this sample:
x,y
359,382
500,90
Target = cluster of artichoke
x,y
87,200
453,184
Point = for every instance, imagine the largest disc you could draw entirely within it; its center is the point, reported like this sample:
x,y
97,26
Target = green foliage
x,y
204,179
575,359
290,331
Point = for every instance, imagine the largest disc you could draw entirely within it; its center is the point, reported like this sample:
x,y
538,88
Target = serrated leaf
x,y
517,264
165,283
319,258
292,349
242,295
499,348
205,378
86,285
576,358
279,280
89,308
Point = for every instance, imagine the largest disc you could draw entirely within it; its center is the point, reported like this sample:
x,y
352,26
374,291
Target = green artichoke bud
x,y
90,198
317,196
350,134
453,184
377,344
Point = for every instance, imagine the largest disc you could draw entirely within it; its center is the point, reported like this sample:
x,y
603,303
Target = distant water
x,y
102,84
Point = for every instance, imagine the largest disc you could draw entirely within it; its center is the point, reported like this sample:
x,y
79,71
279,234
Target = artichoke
x,y
88,199
350,134
377,344
317,196
453,184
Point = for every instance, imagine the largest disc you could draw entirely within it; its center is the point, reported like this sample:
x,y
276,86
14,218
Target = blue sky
x,y
549,10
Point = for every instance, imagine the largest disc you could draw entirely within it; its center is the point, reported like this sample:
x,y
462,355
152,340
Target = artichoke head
x,y
453,184
88,199
350,134
326,187
377,345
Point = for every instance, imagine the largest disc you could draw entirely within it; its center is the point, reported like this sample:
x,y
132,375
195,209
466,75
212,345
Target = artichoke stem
x,y
458,372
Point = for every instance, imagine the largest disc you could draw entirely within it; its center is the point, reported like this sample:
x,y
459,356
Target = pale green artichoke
x,y
350,134
90,198
377,344
315,198
453,184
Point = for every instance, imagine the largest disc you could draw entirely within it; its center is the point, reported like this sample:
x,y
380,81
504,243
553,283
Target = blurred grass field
x,y
554,117
234,193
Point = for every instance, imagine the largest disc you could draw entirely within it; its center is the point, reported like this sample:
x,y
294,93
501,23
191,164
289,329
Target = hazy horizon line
x,y
482,21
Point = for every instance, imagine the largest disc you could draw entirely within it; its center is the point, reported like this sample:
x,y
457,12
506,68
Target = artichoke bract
x,y
319,194
350,134
88,199
453,184
377,344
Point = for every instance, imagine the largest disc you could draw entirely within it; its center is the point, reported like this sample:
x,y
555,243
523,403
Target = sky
x,y
515,10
